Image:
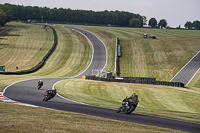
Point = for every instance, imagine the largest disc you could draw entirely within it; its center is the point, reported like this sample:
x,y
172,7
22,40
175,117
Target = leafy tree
x,y
196,24
2,17
135,22
6,14
162,23
153,22
188,25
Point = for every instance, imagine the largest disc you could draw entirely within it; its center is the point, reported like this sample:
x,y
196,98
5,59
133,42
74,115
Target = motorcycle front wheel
x,y
46,98
39,87
118,110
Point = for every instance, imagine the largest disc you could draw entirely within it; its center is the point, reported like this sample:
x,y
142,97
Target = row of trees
x,y
163,23
153,23
119,18
194,25
5,14
116,18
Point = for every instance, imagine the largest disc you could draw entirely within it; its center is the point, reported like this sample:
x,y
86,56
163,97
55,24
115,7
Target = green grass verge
x,y
165,101
20,46
73,55
159,58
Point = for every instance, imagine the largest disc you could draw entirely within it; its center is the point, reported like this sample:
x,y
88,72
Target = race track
x,y
26,92
186,74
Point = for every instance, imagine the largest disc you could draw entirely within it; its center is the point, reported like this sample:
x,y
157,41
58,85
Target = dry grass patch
x,y
17,118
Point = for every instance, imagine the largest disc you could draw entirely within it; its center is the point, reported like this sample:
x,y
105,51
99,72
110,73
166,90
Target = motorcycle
x,y
39,85
49,95
128,104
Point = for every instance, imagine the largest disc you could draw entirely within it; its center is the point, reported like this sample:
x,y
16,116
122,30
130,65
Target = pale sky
x,y
176,12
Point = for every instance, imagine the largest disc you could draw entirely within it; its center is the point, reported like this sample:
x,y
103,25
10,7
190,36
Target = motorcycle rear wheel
x,y
130,109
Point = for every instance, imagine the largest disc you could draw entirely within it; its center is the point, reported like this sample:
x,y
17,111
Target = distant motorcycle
x,y
49,94
40,84
128,104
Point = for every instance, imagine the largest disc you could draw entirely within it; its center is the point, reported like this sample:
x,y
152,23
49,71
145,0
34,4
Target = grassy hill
x,y
165,101
24,46
160,58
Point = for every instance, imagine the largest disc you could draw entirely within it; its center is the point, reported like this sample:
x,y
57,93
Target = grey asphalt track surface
x,y
27,92
6,29
186,74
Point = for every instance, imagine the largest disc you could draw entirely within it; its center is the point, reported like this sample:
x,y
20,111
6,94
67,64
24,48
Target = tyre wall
x,y
138,80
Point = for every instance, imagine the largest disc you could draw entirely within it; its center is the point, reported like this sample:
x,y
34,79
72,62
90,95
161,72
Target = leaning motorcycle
x,y
128,104
49,95
39,86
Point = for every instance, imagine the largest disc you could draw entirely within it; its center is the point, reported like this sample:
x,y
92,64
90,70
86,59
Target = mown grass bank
x,y
66,61
24,46
159,58
71,56
165,101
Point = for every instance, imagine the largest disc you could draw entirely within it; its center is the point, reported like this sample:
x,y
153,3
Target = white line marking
x,y
184,67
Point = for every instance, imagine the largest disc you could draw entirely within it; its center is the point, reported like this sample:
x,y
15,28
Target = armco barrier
x,y
138,80
117,55
40,64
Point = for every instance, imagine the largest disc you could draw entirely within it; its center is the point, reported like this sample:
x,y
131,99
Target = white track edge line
x,y
184,66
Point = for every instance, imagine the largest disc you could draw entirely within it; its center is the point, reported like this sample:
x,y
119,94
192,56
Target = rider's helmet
x,y
40,80
133,94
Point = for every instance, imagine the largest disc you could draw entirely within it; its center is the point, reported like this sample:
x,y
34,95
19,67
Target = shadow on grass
x,y
3,44
7,33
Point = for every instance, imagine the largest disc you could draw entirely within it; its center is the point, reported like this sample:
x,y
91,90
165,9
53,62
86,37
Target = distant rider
x,y
40,82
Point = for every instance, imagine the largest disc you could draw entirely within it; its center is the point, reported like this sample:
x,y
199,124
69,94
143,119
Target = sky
x,y
176,12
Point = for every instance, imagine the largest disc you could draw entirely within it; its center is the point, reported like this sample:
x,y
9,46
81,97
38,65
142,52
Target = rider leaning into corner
x,y
49,94
52,93
128,104
40,82
134,97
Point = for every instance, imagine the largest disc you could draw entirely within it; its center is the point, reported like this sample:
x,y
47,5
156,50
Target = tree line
x,y
116,18
192,25
6,14
10,12
153,23
163,23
